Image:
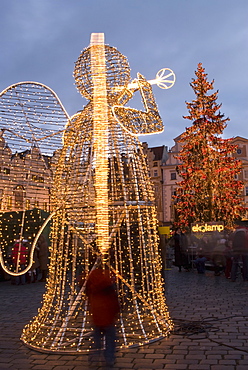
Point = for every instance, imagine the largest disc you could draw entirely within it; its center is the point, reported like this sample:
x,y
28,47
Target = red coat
x,y
104,305
23,256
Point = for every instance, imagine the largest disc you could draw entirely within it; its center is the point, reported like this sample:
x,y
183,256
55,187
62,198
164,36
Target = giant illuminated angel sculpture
x,y
102,200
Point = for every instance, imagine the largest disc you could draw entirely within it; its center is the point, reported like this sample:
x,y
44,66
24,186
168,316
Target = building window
x,y
27,203
36,204
246,174
155,164
37,178
173,192
155,173
246,191
239,151
173,176
6,170
9,202
19,196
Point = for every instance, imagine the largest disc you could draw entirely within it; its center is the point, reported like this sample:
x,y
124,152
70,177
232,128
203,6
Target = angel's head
x,y
117,72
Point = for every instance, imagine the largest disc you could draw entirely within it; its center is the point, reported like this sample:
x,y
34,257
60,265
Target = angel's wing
x,y
31,114
32,124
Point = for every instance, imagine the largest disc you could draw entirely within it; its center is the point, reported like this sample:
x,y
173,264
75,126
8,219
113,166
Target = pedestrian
x,y
42,248
19,256
240,253
185,251
32,273
218,257
200,262
104,308
204,246
180,245
228,256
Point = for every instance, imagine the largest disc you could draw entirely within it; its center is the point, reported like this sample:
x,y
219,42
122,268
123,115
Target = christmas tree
x,y
209,189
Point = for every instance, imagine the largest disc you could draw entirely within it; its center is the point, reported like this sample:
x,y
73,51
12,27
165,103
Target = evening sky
x,y
42,39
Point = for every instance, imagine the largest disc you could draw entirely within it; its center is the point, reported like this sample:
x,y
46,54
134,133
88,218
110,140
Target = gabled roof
x,y
239,138
22,155
178,138
158,152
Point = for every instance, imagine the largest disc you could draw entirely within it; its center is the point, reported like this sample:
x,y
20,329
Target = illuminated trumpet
x,y
165,79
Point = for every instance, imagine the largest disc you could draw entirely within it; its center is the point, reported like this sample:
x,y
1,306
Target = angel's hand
x,y
146,93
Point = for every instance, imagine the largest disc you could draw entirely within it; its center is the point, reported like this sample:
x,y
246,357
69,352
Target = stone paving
x,y
211,324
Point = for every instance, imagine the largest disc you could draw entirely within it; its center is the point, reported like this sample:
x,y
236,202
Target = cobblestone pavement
x,y
210,315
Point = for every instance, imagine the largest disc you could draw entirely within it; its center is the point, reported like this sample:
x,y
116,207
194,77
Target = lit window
x,y
9,202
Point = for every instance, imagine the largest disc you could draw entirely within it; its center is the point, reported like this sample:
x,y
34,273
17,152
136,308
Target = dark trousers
x,y
109,334
235,265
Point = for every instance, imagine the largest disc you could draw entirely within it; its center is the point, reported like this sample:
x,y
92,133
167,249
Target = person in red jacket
x,y
104,308
19,259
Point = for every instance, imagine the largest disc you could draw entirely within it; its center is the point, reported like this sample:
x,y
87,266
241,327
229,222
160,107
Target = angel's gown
x,y
63,322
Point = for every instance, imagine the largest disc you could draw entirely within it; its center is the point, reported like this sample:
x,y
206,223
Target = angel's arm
x,y
138,122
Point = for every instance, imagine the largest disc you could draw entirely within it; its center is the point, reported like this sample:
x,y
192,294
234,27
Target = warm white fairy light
x,y
100,135
101,202
25,173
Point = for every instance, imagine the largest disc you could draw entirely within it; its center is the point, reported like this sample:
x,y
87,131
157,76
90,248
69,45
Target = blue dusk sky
x,y
42,39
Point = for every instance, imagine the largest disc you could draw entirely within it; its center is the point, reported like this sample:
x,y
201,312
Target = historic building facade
x,y
242,154
156,158
170,178
25,179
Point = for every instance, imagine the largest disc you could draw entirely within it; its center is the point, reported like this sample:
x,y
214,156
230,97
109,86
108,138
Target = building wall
x,y
25,179
156,157
242,154
170,178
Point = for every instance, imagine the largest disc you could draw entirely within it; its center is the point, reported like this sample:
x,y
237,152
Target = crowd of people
x,y
224,252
